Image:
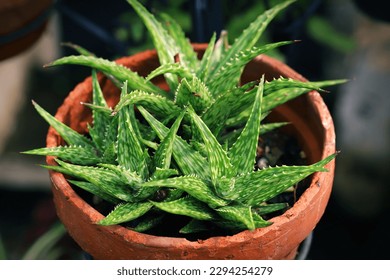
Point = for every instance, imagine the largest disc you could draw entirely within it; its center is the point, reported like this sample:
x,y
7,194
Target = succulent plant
x,y
189,150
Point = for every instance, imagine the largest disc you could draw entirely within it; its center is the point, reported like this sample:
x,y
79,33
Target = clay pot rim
x,y
93,215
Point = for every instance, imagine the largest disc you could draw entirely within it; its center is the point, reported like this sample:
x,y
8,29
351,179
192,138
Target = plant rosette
x,y
173,133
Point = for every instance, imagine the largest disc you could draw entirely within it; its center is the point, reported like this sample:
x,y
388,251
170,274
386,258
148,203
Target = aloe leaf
x,y
172,68
194,92
221,46
109,142
187,206
149,221
205,63
259,221
75,154
192,185
231,137
188,159
188,56
105,179
163,173
100,117
126,212
238,213
232,101
195,226
220,165
78,48
228,74
68,134
252,33
126,176
130,152
236,226
258,187
162,157
270,208
154,103
91,188
86,52
243,152
118,71
290,89
264,128
162,41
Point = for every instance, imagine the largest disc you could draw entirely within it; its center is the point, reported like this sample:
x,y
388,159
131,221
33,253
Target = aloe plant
x,y
177,154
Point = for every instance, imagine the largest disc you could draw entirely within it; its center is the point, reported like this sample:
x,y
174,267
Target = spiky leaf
x,y
118,71
188,56
89,187
192,185
104,179
252,33
194,92
126,212
76,154
238,213
283,90
260,186
154,103
187,206
68,134
205,64
247,142
188,159
229,73
220,165
162,41
172,68
130,152
162,157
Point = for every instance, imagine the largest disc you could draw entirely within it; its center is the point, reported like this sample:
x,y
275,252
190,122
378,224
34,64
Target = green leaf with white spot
x,y
228,75
282,90
172,68
205,63
270,208
103,178
76,154
250,36
187,206
188,160
131,154
163,155
126,212
70,136
238,213
155,103
89,187
194,92
192,185
258,187
162,41
220,165
188,56
118,71
243,152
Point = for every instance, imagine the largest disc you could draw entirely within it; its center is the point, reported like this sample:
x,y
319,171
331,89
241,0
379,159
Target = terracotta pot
x,y
312,125
21,24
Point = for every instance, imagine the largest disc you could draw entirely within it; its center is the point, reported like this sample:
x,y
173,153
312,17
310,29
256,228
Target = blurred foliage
x,y
303,17
46,247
